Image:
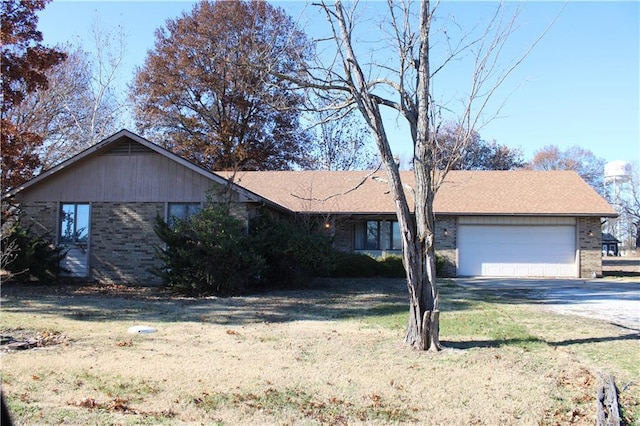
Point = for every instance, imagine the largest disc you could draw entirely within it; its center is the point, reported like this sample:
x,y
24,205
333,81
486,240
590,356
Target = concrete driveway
x,y
617,302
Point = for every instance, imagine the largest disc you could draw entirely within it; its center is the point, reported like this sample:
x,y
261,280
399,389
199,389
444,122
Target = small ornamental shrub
x,y
208,253
29,257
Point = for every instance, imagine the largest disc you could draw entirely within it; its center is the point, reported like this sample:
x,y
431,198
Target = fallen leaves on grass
x,y
580,385
333,411
119,405
21,339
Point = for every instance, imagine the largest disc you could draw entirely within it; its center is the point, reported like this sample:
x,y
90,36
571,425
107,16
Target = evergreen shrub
x,y
209,253
293,253
28,256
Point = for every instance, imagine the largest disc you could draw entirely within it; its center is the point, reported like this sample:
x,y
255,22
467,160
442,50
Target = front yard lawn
x,y
332,354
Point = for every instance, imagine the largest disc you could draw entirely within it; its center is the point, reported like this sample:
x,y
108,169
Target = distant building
x,y
610,245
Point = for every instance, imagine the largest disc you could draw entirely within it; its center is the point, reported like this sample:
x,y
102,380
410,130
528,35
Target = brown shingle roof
x,y
551,193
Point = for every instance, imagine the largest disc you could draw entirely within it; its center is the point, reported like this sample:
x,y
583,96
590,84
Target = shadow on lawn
x,y
496,343
323,300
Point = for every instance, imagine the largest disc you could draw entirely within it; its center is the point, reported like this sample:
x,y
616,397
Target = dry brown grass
x,y
329,355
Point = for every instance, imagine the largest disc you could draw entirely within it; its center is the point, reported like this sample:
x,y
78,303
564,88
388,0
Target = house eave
x,y
449,213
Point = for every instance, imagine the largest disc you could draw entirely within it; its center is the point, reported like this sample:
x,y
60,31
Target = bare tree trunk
x,y
423,330
363,85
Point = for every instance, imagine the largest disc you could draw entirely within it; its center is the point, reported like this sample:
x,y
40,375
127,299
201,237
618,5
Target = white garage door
x,y
516,251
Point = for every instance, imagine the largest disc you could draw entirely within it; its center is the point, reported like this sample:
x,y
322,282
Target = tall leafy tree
x,y
205,90
24,61
581,160
477,155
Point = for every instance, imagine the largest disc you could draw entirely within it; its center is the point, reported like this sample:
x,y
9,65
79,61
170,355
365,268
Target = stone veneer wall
x,y
446,244
43,216
343,238
123,242
590,247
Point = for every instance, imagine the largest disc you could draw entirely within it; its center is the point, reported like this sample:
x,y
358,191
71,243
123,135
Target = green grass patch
x,y
473,321
116,387
390,316
489,325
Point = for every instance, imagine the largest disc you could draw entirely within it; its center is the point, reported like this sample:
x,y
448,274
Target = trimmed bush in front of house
x,y
361,265
293,253
208,253
212,253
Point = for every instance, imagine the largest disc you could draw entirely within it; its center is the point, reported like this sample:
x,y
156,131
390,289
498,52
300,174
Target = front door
x,y
74,237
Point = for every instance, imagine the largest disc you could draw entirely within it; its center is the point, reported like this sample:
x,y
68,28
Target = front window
x,y
368,235
74,223
182,211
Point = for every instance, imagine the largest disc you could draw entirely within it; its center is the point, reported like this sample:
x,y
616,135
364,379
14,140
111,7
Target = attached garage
x,y
517,247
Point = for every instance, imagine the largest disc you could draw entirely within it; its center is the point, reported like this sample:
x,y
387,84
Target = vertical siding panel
x,y
172,183
144,170
160,177
94,192
130,177
189,180
148,177
98,185
109,190
203,187
141,183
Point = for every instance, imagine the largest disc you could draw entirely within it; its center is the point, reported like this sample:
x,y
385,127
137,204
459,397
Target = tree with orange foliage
x,y
205,90
24,62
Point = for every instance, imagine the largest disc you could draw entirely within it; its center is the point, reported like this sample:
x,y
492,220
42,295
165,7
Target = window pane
x,y
396,240
74,223
182,211
67,222
192,209
82,222
178,211
373,235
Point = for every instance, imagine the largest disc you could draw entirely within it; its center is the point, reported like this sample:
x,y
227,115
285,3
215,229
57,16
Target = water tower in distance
x,y
617,174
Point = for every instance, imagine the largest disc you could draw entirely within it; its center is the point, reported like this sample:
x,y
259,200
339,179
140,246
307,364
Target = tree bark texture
x,y
423,328
608,413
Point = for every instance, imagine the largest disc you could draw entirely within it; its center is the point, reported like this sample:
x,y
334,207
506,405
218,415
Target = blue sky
x,y
579,86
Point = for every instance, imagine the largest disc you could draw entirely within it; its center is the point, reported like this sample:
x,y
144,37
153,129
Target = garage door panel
x,y
516,250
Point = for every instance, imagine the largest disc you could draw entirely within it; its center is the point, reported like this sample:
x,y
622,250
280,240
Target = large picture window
x,y
378,235
74,223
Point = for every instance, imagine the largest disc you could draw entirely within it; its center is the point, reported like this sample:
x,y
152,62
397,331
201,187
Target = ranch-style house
x,y
102,205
